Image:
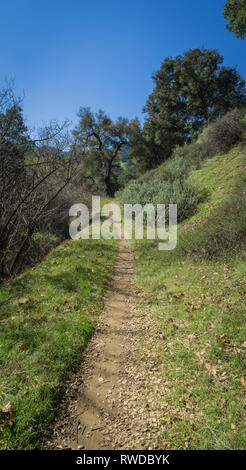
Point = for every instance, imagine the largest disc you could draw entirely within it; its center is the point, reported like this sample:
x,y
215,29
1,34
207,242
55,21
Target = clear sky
x,y
102,53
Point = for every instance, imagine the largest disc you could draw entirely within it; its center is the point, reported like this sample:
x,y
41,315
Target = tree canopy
x,y
235,14
100,141
190,89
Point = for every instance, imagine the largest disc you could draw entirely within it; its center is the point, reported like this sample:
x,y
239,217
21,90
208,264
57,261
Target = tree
x,y
235,14
189,89
100,141
33,175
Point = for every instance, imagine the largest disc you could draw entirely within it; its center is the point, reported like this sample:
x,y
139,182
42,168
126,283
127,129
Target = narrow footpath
x,y
110,401
89,405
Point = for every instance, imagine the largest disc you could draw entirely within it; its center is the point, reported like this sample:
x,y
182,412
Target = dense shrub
x,y
191,156
220,136
170,182
178,191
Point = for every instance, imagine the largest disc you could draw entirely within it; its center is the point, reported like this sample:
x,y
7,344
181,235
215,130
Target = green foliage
x,y
173,182
13,142
47,315
235,13
164,190
127,170
125,175
151,146
100,142
220,136
12,127
190,89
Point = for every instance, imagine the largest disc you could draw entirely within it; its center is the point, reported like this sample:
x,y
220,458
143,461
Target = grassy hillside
x,y
197,296
46,316
219,178
196,293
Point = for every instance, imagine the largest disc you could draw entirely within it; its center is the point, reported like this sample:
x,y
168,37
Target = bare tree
x,y
34,174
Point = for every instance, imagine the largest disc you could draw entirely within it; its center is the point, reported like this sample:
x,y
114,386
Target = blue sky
x,y
102,53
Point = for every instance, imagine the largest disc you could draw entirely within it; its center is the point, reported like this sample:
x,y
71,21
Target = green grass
x,y
198,303
218,178
47,315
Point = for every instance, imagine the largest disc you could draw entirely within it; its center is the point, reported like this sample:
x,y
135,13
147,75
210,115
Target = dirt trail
x,y
111,401
89,406
105,355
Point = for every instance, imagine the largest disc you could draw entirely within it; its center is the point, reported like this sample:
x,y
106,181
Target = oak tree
x,y
190,89
235,14
100,141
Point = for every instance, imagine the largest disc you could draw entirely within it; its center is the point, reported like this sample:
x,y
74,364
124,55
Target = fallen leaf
x,y
7,408
193,336
212,370
222,403
223,338
243,382
23,301
201,359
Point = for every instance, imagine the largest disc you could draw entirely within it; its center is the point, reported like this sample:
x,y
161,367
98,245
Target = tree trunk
x,y
109,191
107,181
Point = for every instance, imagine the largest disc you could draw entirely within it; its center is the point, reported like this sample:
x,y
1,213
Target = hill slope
x,y
196,294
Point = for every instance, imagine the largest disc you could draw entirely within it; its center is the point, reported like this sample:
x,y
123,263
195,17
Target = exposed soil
x,y
89,405
108,404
